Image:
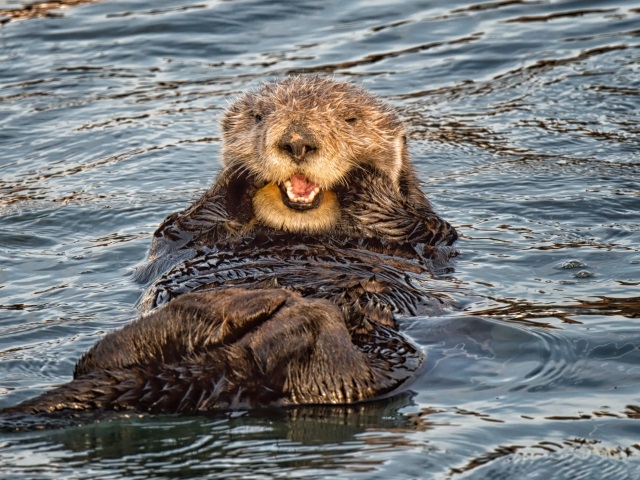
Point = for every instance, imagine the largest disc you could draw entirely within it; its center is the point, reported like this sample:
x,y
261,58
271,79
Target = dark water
x,y
525,129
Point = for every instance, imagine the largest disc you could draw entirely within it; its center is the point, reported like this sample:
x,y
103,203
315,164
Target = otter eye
x,y
351,120
258,117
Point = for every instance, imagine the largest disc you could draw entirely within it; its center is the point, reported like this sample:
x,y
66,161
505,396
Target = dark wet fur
x,y
233,349
404,225
329,338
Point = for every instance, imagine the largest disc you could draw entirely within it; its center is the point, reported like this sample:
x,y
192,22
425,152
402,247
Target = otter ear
x,y
236,113
236,119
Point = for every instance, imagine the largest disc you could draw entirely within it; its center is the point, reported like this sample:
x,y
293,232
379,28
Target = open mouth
x,y
300,193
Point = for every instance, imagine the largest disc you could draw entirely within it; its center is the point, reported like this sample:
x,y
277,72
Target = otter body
x,y
281,285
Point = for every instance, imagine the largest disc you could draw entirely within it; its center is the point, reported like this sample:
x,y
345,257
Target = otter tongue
x,y
301,186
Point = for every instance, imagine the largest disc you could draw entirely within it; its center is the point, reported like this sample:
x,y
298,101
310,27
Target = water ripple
x,y
523,118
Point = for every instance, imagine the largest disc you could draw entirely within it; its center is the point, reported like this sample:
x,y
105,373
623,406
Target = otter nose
x,y
297,142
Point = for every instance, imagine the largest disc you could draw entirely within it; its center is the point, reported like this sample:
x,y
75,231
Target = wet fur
x,y
350,126
250,304
228,350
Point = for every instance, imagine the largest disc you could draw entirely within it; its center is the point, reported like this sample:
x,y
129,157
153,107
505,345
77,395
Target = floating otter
x,y
281,285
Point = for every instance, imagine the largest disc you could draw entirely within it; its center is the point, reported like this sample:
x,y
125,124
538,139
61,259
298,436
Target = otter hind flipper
x,y
231,349
393,359
309,349
191,323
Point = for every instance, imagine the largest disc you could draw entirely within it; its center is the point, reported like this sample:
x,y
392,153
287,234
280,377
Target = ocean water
x,y
525,130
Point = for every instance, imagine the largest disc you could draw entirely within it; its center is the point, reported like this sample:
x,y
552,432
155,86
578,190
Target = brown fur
x,y
349,127
231,349
370,189
357,257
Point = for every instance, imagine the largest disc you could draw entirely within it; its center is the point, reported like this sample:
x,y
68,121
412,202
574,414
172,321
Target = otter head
x,y
301,139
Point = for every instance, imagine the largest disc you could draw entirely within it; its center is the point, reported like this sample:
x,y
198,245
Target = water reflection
x,y
572,458
528,313
240,443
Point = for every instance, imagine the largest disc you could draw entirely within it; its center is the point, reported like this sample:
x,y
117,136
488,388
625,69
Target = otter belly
x,y
356,274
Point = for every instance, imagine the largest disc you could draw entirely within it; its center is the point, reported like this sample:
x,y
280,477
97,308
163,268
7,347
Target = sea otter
x,y
282,284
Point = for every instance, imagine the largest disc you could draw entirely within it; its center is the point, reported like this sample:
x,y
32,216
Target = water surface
x,y
525,131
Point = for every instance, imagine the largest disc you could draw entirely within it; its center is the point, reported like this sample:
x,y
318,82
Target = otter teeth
x,y
297,198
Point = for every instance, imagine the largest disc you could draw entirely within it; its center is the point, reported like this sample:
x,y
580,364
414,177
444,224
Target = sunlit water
x,y
525,130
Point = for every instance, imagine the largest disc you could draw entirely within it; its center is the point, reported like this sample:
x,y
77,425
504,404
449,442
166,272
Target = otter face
x,y
300,139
